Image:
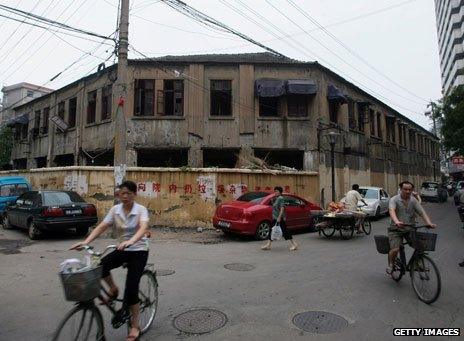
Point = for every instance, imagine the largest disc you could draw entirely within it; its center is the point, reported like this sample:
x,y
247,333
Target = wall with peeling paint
x,y
173,197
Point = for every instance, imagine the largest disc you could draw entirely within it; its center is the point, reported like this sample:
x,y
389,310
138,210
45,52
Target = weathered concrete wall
x,y
172,196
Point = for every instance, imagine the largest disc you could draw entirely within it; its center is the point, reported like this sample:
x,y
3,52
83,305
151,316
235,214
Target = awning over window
x,y
301,87
335,94
21,119
269,87
364,103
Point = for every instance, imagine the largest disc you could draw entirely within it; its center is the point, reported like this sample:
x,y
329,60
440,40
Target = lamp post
x,y
433,168
333,137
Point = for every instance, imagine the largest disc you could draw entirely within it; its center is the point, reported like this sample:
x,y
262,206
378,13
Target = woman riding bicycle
x,y
131,222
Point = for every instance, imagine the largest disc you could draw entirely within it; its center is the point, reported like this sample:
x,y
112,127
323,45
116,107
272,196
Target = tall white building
x,y
17,94
450,31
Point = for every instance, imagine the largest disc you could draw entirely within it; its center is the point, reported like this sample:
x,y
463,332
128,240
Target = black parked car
x,y
50,211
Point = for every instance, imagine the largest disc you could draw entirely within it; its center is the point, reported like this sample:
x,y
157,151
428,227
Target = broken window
x,y
151,157
91,106
283,157
107,97
353,124
45,123
297,105
64,160
61,110
170,100
41,162
334,107
221,97
72,112
223,158
20,163
269,106
372,121
144,97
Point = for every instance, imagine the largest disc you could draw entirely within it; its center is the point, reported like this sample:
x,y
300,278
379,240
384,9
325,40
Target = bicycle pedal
x,y
119,318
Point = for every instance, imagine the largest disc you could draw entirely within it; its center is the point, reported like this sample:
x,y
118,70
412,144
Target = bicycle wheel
x,y
397,270
328,231
148,295
346,231
425,279
83,322
367,227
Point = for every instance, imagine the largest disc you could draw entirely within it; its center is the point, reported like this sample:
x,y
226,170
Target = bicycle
x,y
422,269
84,287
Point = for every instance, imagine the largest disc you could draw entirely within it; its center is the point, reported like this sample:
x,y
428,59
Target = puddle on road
x,y
13,246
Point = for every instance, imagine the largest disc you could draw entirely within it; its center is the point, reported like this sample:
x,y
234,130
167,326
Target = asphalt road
x,y
341,277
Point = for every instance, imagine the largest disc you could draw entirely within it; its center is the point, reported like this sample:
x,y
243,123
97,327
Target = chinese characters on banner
x,y
206,187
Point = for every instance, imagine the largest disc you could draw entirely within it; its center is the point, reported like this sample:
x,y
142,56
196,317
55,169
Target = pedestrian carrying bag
x,y
276,232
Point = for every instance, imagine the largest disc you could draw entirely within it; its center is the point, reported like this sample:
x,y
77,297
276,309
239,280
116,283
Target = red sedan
x,y
251,214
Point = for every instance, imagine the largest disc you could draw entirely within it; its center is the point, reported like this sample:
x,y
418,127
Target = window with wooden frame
x,y
372,121
297,105
362,113
353,124
37,122
412,140
390,127
269,106
221,97
334,108
72,109
170,100
379,125
61,110
91,106
107,99
144,97
45,121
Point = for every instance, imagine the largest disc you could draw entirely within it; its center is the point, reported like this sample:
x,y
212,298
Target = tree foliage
x,y
450,113
6,145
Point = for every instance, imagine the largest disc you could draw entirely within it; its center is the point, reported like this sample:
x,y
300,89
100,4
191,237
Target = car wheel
x,y
263,230
82,231
6,222
33,232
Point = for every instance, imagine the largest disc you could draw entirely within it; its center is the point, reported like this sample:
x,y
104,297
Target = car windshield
x,y
61,198
13,190
429,185
254,197
368,193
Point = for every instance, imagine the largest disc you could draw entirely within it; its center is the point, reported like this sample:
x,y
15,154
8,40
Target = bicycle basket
x,y
81,286
382,243
423,241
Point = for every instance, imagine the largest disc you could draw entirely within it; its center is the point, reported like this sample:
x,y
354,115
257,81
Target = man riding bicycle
x,y
403,209
131,222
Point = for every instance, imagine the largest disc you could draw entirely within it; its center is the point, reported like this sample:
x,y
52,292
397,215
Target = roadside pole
x,y
120,93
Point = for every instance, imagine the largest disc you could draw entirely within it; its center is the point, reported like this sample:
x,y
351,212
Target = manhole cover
x,y
319,322
200,321
164,272
12,246
239,267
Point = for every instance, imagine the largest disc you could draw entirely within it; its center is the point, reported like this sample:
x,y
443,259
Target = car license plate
x,y
224,224
73,211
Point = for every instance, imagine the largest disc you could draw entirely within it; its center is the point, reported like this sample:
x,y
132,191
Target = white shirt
x,y
127,226
351,200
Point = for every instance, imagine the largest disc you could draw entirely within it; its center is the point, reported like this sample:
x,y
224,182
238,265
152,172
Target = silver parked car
x,y
377,200
433,191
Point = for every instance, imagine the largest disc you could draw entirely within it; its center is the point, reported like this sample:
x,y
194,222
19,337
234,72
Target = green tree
x,y
450,114
6,145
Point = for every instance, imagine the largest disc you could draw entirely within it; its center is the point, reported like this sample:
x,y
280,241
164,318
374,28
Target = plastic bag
x,y
276,233
71,266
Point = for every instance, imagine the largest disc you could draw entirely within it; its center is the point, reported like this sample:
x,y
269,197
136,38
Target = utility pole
x,y
120,90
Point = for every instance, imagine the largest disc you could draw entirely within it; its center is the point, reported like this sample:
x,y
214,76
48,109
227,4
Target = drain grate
x,y
239,267
200,321
164,272
320,322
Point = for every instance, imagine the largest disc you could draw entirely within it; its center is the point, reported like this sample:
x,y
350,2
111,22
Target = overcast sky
x,y
393,43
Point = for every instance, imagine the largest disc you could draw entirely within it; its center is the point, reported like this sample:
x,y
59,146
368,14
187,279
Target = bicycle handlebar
x,y
90,250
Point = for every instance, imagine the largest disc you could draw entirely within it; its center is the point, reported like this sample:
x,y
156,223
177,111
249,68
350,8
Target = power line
x,y
324,29
57,24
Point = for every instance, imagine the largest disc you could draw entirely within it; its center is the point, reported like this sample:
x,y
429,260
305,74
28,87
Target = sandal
x,y
389,270
132,337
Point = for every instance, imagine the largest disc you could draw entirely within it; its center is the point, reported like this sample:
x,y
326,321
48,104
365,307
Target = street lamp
x,y
433,168
333,137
